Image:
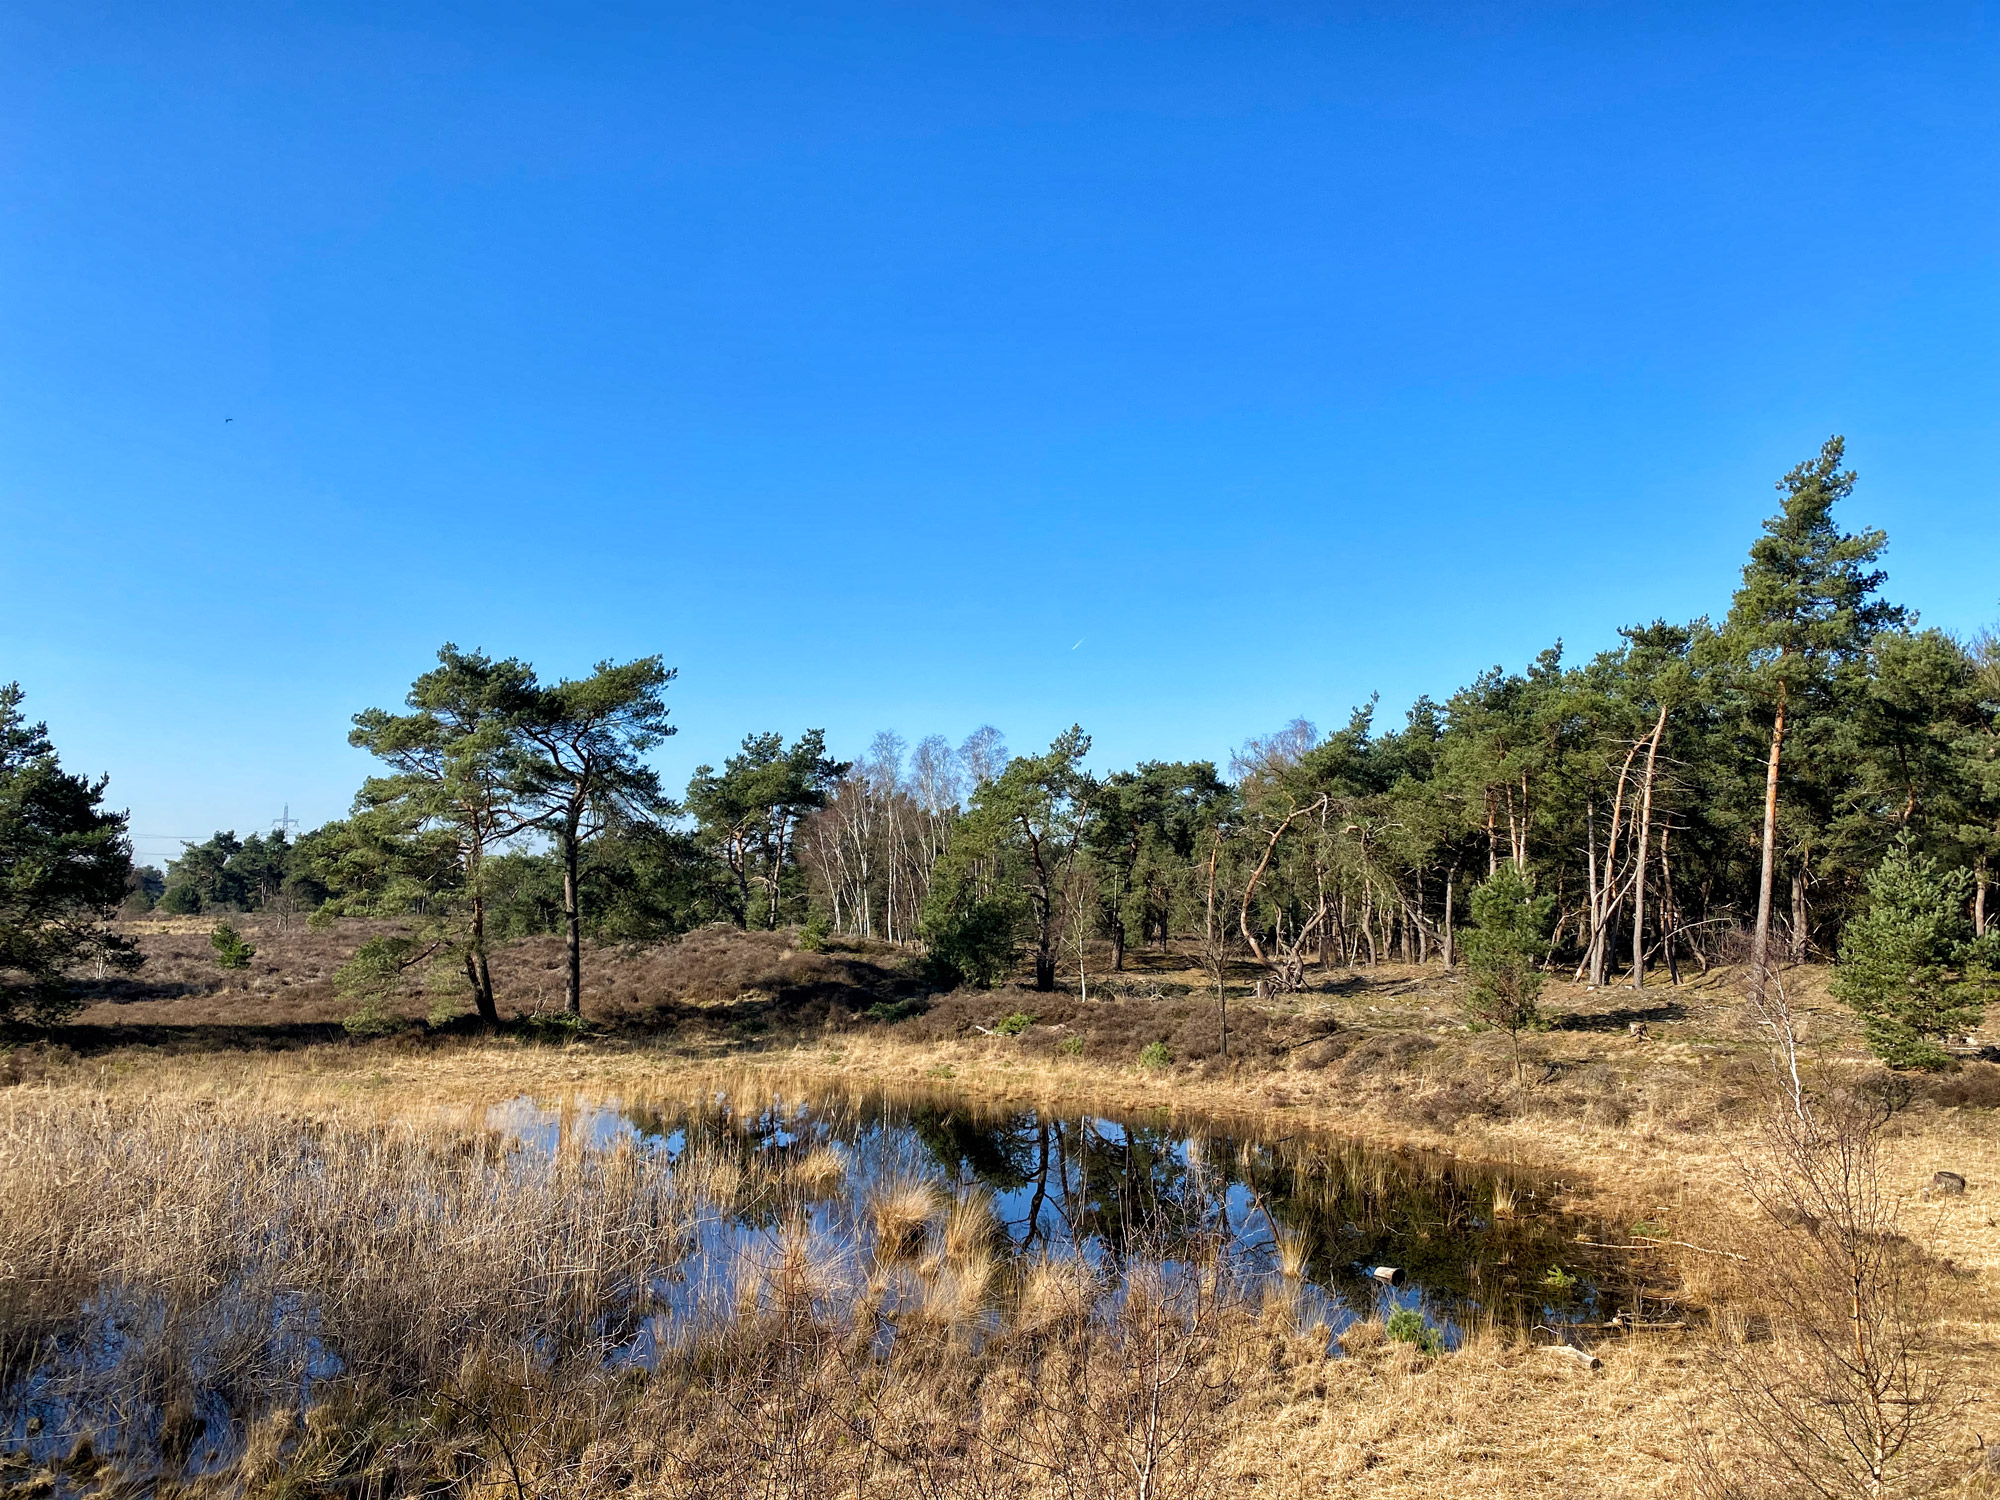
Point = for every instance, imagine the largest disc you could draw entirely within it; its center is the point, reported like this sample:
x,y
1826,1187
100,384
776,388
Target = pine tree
x,y
1909,967
231,952
580,769
1806,609
452,759
1503,952
64,862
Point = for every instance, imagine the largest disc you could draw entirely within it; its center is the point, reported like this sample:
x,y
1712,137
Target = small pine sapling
x,y
231,952
1407,1326
1503,953
1909,966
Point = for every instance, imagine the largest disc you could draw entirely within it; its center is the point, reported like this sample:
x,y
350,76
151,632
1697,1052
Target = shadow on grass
x,y
1622,1018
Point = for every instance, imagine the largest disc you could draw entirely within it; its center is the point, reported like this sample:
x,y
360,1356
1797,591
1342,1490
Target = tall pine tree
x,y
1807,610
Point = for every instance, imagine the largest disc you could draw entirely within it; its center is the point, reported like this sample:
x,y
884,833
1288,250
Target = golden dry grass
x,y
1640,1129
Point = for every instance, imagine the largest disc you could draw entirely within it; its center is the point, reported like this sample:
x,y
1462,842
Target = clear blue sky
x,y
862,358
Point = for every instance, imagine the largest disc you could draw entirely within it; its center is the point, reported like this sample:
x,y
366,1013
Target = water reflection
x,y
1323,1215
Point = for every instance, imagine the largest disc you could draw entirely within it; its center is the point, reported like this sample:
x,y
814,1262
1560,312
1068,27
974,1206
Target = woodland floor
x,y
1639,1103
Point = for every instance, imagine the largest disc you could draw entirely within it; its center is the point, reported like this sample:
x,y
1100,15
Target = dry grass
x,y
284,1301
1644,1130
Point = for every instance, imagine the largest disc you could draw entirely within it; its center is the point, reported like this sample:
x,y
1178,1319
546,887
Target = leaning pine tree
x,y
1909,966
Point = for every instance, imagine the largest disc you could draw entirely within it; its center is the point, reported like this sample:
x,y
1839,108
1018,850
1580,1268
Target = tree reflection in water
x,y
1108,1188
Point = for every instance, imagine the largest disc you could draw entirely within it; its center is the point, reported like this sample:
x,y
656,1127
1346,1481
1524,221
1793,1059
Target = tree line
x,y
1718,787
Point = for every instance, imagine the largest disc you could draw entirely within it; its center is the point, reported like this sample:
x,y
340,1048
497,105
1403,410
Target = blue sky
x,y
863,358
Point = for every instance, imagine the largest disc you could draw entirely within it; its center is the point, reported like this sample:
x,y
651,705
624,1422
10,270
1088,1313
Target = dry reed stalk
x,y
970,1228
821,1172
1293,1252
1517,1429
901,1209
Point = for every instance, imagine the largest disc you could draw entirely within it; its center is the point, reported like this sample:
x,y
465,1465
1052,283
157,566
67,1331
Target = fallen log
x,y
1582,1358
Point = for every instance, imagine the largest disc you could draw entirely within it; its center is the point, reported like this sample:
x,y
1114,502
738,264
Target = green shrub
x,y
1504,950
968,942
373,1018
182,900
813,936
1909,966
1015,1024
893,1011
1407,1326
1070,1046
1156,1055
231,952
370,979
556,1026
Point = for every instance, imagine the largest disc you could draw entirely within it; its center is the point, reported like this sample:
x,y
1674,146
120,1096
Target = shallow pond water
x,y
1359,1230
236,1270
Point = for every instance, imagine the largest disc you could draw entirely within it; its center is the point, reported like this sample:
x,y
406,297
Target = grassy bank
x,y
1648,1127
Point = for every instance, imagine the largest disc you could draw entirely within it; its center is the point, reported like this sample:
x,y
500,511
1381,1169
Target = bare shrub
x,y
1832,1386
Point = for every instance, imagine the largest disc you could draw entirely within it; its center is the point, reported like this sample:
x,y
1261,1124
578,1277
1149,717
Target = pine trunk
x,y
573,926
1760,948
475,964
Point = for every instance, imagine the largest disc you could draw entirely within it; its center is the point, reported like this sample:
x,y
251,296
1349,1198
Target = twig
x,y
1683,1244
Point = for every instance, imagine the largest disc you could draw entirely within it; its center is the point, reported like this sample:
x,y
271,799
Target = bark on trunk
x,y
1800,934
1045,971
1645,838
1670,911
1603,898
1450,949
1760,947
475,965
573,927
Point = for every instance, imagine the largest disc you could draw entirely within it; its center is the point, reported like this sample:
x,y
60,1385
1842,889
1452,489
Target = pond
x,y
224,1272
1358,1230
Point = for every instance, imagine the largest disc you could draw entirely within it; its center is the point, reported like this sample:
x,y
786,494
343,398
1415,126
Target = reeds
x,y
900,1210
256,1298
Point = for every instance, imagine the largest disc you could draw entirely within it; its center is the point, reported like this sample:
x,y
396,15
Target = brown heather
x,y
164,1157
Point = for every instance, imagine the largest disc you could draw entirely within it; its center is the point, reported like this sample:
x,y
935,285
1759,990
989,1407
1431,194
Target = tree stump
x,y
1945,1185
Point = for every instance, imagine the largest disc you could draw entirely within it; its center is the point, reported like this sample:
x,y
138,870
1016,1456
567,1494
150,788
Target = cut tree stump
x,y
1945,1185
